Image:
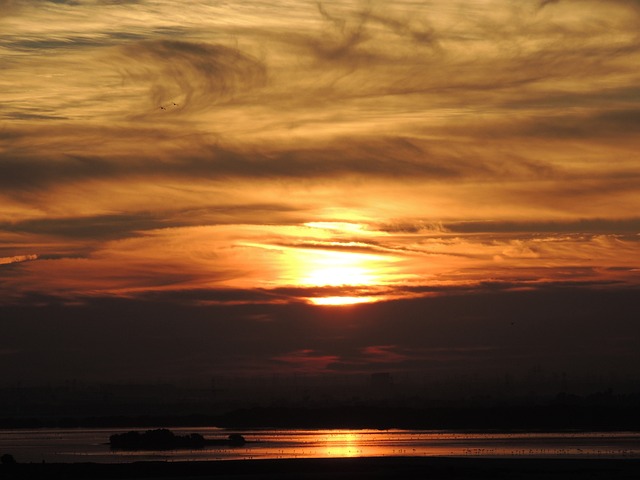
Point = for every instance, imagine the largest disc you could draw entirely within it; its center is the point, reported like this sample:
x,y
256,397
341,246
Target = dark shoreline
x,y
434,468
495,418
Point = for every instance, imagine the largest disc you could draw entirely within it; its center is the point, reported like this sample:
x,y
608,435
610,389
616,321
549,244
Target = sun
x,y
333,263
339,269
340,301
328,268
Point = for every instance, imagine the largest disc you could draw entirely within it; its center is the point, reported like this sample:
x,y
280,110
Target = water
x,y
91,445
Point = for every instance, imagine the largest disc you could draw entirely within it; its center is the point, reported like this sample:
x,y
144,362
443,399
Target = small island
x,y
164,439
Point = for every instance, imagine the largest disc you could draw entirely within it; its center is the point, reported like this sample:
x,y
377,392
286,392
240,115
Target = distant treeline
x,y
110,421
479,418
550,417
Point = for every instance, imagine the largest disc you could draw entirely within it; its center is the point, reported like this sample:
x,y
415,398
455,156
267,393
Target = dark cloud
x,y
584,226
343,42
419,30
593,101
390,158
197,75
119,2
354,245
370,64
31,116
85,3
631,3
353,38
603,124
20,173
492,333
96,227
595,186
39,44
214,296
389,295
34,43
544,3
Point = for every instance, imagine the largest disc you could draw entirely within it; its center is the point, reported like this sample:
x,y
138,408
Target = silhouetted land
x,y
343,468
550,417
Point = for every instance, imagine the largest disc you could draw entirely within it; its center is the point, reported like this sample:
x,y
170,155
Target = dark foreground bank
x,y
341,468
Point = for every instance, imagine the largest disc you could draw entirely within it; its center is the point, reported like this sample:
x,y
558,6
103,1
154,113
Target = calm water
x,y
90,445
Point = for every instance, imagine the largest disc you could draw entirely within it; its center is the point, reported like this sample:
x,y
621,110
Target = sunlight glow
x,y
322,268
313,264
340,301
325,268
338,275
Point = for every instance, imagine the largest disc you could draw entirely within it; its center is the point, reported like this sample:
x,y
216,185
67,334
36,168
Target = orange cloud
x,y
17,259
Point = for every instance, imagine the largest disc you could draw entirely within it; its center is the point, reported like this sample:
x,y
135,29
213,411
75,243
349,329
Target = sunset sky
x,y
190,188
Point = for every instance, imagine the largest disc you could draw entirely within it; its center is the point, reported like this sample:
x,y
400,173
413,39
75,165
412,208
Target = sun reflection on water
x,y
341,444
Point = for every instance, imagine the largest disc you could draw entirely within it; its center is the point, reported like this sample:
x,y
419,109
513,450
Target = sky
x,y
250,187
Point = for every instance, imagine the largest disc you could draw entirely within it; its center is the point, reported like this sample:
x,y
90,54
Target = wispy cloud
x,y
17,259
189,76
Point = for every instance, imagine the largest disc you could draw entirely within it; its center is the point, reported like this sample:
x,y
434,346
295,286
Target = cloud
x,y
138,254
17,259
595,125
430,114
306,360
386,354
354,37
392,158
114,226
492,333
204,162
348,37
9,7
483,53
195,76
544,3
591,226
97,227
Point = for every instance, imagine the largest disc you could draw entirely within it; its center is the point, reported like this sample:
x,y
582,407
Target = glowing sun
x,y
339,269
339,301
